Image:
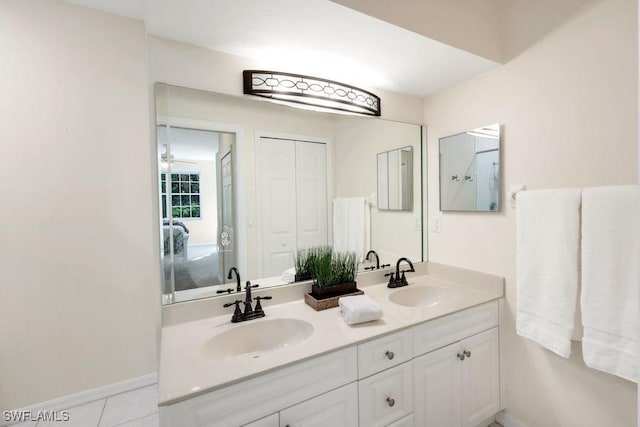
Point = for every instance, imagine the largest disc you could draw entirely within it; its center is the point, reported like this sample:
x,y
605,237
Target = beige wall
x,y
79,258
569,109
195,67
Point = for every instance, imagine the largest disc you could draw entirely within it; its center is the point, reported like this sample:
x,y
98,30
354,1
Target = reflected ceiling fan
x,y
172,159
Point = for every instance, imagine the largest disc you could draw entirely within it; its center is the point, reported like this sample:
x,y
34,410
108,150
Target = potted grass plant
x,y
334,276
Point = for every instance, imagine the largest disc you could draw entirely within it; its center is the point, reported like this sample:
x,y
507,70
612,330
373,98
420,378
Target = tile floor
x,y
135,408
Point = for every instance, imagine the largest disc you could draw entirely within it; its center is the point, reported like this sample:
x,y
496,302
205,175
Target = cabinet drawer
x,y
441,332
272,420
386,397
258,397
383,353
337,408
404,422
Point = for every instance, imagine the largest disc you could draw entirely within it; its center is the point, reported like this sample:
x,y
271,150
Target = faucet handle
x,y
250,286
392,280
258,307
229,304
237,314
222,291
370,268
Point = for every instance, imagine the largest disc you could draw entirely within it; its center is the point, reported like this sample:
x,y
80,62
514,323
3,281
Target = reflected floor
x,y
201,269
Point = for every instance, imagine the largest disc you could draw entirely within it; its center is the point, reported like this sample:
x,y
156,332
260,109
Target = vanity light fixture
x,y
310,92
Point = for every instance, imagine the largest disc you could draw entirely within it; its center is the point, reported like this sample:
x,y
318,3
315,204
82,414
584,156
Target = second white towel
x,y
359,309
610,279
548,239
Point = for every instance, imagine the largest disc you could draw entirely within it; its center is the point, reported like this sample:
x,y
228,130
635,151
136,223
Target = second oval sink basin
x,y
424,296
252,339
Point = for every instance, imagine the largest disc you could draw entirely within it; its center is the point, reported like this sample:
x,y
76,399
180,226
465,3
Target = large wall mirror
x,y
470,170
246,183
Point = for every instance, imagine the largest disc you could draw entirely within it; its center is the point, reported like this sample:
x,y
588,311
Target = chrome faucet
x,y
397,281
249,312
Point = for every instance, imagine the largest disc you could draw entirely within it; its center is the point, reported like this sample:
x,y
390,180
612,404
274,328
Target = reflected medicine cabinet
x,y
395,179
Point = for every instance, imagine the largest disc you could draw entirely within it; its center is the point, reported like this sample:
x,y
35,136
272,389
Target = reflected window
x,y
184,196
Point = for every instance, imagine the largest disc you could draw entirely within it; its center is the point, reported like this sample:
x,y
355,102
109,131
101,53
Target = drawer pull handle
x,y
461,356
467,353
391,402
390,355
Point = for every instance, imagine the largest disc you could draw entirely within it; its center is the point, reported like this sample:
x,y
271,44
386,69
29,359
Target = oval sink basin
x,y
252,339
424,296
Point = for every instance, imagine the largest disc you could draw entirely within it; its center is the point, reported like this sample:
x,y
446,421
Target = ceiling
x,y
190,144
314,37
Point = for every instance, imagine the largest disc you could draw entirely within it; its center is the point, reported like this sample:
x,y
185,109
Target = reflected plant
x,y
307,259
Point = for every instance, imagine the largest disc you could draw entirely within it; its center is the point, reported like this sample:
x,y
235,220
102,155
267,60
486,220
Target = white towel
x,y
289,275
351,225
610,279
548,231
359,309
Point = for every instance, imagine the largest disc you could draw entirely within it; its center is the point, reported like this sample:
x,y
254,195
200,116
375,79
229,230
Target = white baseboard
x,y
508,420
91,395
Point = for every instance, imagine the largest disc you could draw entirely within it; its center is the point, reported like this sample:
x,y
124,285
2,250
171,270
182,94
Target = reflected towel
x,y
359,309
289,275
548,232
610,279
351,225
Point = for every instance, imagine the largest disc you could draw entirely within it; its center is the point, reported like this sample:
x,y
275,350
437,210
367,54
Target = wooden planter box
x,y
324,298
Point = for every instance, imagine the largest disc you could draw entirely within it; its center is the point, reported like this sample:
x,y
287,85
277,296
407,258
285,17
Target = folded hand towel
x,y
548,225
289,275
359,309
610,279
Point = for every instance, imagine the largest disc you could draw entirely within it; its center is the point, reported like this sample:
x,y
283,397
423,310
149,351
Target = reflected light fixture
x,y
310,92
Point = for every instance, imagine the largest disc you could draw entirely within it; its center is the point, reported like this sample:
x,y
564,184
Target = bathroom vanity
x,y
434,357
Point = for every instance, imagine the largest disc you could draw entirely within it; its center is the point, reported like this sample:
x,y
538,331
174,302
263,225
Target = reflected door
x,y
292,201
226,229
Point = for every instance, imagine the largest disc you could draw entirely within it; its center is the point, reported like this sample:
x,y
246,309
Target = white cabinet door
x,y
337,408
270,421
437,388
386,397
311,194
480,377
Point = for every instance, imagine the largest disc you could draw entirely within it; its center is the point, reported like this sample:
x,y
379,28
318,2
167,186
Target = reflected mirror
x,y
470,170
246,183
395,179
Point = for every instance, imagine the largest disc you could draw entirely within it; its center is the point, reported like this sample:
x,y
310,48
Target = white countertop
x,y
185,372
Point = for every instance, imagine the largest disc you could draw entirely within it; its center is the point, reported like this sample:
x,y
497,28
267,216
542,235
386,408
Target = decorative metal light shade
x,y
310,91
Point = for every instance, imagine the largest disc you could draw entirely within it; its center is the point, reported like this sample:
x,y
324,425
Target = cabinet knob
x,y
391,402
461,356
390,355
467,353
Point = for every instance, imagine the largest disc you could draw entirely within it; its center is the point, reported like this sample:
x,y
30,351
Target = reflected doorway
x,y
196,203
